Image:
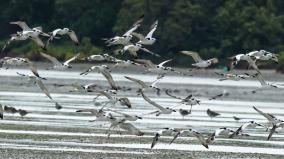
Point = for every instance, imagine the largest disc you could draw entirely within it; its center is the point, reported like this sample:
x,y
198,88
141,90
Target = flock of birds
x,y
118,119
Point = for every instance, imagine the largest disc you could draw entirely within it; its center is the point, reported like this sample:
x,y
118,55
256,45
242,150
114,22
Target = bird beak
x,y
174,110
139,117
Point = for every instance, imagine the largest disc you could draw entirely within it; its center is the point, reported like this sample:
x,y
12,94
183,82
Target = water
x,y
48,129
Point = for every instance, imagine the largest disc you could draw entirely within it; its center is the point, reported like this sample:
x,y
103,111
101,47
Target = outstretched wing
x,y
73,37
153,29
110,80
52,59
72,59
152,102
194,55
22,24
143,84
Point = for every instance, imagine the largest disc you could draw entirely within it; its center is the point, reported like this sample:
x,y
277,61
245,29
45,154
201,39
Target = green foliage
x,y
218,28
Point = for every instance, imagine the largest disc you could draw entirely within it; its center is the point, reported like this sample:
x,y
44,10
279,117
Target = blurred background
x,y
214,28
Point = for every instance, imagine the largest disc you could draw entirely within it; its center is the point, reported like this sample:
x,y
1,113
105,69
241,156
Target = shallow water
x,y
50,125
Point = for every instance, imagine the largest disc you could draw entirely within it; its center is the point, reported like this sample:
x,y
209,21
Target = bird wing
x,y
43,88
139,36
147,63
155,140
131,129
126,102
175,137
52,59
152,102
72,59
164,62
6,44
201,139
194,55
134,26
73,37
213,60
105,94
260,79
110,80
168,93
33,68
22,24
148,51
143,84
267,116
38,41
153,28
93,111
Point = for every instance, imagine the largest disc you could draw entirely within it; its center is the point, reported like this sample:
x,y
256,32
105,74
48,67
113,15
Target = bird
x,y
264,84
114,100
100,58
218,132
21,37
83,88
184,112
264,55
224,94
159,133
36,30
275,122
19,61
65,31
244,126
22,112
126,37
194,133
130,128
200,63
189,100
58,65
98,113
233,77
125,63
148,39
237,118
126,116
143,85
104,70
243,57
212,114
132,49
161,110
160,69
1,112
10,110
43,88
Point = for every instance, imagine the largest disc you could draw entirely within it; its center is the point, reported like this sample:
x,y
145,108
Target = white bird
x,y
160,69
243,57
65,31
100,58
124,64
43,88
251,124
126,37
218,132
275,122
21,36
194,133
161,110
130,128
134,48
99,114
34,32
263,55
58,65
19,61
148,39
199,62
